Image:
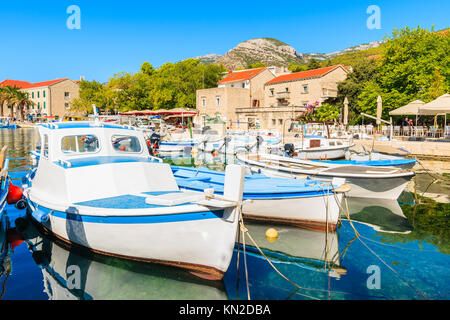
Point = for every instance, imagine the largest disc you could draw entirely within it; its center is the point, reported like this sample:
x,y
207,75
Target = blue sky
x,y
118,36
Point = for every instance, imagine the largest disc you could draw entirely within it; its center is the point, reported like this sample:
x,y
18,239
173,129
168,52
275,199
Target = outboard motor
x,y
259,142
289,149
153,143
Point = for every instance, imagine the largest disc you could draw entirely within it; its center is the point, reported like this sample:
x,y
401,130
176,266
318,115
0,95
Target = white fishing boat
x,y
318,148
106,278
365,181
96,186
304,203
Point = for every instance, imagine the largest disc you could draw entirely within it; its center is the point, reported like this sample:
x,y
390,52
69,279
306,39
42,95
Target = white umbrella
x,y
345,111
379,109
439,106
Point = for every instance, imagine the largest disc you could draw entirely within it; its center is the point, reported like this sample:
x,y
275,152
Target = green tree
x,y
255,65
21,99
297,67
313,64
415,65
91,92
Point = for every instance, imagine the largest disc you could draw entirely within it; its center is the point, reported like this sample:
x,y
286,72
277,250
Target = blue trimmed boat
x,y
97,187
399,163
304,203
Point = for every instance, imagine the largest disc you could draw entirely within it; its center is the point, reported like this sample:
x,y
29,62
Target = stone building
x,y
51,98
243,88
257,98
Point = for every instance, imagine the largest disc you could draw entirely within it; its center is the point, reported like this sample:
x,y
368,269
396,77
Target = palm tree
x,y
3,98
8,94
21,100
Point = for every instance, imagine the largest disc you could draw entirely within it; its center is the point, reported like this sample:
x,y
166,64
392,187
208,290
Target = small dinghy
x,y
304,203
97,187
364,181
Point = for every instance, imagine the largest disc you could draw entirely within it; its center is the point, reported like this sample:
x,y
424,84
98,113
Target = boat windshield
x,y
79,144
126,143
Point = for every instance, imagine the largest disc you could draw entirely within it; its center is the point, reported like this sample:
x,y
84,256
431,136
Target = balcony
x,y
283,95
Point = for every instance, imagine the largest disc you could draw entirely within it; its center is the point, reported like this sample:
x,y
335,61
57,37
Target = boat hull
x,y
320,154
379,188
320,213
202,246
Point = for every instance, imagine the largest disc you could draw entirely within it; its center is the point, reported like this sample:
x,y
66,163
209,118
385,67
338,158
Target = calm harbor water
x,y
403,253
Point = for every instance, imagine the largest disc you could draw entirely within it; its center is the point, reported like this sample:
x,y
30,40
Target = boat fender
x,y
21,204
40,216
14,194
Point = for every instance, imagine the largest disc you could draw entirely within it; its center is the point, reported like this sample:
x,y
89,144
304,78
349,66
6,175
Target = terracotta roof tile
x,y
303,74
15,83
241,75
26,85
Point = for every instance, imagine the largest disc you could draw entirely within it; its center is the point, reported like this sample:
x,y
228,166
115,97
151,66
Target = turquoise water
x,y
404,246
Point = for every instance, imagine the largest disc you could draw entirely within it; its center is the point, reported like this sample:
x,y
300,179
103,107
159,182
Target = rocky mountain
x,y
273,52
269,51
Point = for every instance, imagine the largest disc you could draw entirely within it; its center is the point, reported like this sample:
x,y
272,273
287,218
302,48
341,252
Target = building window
x,y
243,84
271,92
287,89
44,104
305,88
66,95
274,121
38,94
203,102
32,95
255,103
280,121
67,106
217,101
39,105
43,93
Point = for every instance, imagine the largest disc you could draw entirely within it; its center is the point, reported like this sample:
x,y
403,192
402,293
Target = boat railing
x,y
65,162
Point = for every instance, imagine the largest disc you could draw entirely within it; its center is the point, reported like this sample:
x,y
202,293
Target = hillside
x,y
273,52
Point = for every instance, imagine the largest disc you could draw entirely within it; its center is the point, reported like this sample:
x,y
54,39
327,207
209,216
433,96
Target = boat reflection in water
x,y
304,256
381,214
71,273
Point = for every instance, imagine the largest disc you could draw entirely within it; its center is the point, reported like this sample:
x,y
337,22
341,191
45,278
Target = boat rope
x,y
347,213
245,231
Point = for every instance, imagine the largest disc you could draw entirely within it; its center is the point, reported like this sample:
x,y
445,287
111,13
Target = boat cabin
x,y
80,161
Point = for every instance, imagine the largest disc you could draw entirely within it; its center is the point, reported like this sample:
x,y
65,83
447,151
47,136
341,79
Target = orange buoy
x,y
14,194
122,148
215,154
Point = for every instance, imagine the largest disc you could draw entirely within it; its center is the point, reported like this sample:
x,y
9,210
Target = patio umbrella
x,y
411,108
439,106
379,109
436,107
345,111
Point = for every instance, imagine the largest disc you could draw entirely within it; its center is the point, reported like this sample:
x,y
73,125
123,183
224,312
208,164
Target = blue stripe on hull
x,y
178,217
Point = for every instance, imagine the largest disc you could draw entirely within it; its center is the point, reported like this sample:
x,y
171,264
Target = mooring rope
x,y
347,212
